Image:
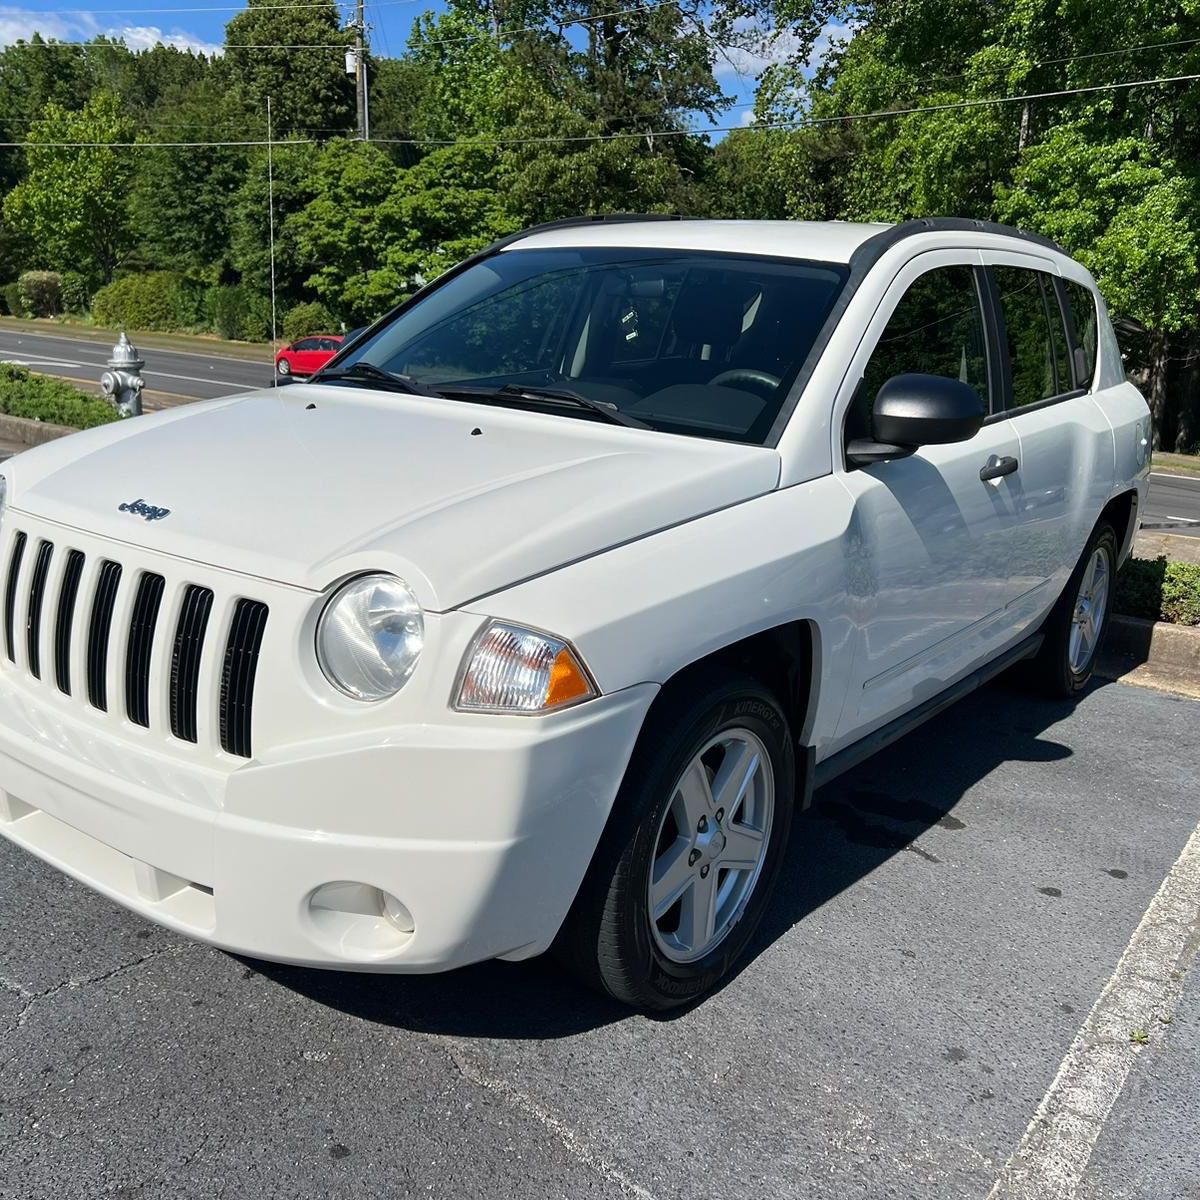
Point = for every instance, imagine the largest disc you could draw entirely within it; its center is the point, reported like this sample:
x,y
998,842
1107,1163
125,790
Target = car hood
x,y
310,483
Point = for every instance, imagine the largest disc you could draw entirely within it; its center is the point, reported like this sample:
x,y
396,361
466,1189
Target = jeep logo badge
x,y
141,509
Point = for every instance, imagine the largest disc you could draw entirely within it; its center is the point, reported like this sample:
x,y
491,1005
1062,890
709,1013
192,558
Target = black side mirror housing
x,y
918,410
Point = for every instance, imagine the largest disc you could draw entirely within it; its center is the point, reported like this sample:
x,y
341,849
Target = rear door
x,y
1065,441
932,538
306,356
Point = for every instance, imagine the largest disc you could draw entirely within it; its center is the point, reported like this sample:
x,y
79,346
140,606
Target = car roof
x,y
858,243
823,241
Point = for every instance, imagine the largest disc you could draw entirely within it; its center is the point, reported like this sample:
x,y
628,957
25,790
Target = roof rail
x,y
874,247
590,219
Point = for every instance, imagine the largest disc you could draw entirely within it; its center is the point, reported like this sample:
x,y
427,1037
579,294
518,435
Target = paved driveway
x,y
950,913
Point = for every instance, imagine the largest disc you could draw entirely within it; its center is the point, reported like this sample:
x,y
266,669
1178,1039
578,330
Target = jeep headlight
x,y
370,636
511,669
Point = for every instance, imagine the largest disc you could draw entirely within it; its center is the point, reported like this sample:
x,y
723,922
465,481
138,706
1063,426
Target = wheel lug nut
x,y
720,813
704,871
703,826
692,857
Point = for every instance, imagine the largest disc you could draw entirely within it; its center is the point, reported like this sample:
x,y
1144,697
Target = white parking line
x,y
1183,520
1141,996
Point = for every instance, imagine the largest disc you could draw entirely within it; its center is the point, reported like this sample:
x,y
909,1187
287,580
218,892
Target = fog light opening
x,y
395,912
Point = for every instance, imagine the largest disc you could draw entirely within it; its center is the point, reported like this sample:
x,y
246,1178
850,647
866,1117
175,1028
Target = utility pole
x,y
360,70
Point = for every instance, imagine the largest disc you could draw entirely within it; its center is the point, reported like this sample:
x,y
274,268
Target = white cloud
x,y
782,47
18,24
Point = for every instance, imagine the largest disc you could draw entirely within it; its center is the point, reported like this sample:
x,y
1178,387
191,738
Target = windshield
x,y
684,341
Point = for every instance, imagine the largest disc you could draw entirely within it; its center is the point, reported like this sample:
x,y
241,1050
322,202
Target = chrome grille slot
x,y
66,619
185,660
141,644
10,595
237,675
99,628
33,620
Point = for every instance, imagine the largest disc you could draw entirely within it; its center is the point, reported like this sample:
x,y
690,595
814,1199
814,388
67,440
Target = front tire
x,y
692,849
283,367
1076,626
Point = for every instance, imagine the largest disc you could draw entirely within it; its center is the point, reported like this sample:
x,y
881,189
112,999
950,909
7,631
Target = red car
x,y
308,354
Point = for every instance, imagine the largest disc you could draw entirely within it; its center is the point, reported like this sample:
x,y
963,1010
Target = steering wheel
x,y
746,375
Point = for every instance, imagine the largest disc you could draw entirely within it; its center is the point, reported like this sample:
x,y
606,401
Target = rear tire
x,y
1075,628
664,912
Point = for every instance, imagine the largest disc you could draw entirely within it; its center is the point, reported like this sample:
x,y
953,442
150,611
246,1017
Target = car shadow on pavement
x,y
855,824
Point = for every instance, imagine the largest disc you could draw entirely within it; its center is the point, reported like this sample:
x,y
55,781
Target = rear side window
x,y
936,329
1083,310
1037,337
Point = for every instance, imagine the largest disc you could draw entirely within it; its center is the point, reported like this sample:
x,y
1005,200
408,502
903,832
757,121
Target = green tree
x,y
295,55
71,211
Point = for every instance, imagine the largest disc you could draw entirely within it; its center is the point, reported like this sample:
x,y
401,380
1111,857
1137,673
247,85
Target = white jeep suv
x,y
533,618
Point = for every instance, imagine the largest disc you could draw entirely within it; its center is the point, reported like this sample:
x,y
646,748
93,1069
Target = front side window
x,y
685,341
936,329
1083,310
1036,335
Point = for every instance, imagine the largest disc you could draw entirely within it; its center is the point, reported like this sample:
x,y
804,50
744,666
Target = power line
x,y
797,123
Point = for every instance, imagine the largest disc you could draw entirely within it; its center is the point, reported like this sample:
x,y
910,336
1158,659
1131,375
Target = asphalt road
x,y
948,916
192,375
1173,505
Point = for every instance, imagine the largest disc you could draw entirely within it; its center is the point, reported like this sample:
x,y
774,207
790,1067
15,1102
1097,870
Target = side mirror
x,y
918,410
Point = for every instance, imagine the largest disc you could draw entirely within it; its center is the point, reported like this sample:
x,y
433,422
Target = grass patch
x,y
1158,590
40,398
1189,463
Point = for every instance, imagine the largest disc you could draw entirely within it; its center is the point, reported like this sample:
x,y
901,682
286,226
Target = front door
x,y
929,576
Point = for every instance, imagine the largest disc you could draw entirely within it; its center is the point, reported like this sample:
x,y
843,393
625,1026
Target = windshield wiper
x,y
521,391
366,371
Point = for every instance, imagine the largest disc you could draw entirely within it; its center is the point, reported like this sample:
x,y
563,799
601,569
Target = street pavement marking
x,y
100,345
247,387
39,362
1142,993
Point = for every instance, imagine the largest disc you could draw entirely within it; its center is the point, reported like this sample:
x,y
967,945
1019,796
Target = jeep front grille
x,y
157,644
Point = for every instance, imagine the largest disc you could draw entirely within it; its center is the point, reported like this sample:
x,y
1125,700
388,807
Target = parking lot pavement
x,y
949,914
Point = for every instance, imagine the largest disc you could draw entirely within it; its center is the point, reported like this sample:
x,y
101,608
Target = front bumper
x,y
482,827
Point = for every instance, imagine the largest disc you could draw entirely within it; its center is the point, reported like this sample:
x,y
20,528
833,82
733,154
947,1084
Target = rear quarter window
x,y
1083,311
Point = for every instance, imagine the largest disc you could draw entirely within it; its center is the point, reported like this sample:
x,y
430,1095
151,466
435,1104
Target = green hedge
x,y
158,300
12,299
41,293
52,400
1159,590
237,313
308,318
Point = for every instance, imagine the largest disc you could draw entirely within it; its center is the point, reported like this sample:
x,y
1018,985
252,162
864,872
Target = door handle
x,y
996,468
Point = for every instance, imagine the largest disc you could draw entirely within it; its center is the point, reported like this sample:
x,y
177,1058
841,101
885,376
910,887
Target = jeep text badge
x,y
142,509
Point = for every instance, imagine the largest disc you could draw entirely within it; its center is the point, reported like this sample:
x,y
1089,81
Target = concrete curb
x,y
29,432
1152,653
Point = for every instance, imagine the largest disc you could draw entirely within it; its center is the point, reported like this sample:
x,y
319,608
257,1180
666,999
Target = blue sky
x,y
200,24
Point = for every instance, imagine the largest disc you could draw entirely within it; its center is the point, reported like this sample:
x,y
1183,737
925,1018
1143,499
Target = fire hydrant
x,y
123,383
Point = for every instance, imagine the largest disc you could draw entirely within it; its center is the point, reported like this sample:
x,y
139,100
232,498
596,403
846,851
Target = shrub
x,y
52,400
1158,590
308,318
225,308
41,292
239,314
157,300
12,299
76,295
